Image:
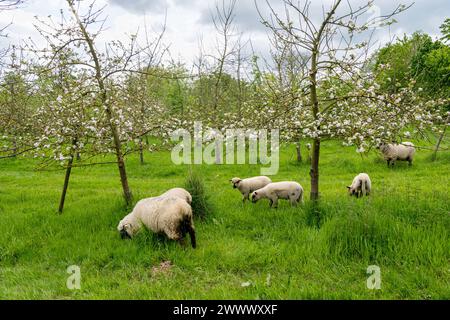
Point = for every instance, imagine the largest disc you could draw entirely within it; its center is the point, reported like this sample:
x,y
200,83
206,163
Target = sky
x,y
189,21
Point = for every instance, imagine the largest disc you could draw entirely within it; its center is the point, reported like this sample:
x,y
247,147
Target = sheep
x,y
247,186
171,216
361,185
403,152
178,193
289,190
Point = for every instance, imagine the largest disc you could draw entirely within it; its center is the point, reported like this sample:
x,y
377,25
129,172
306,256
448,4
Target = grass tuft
x,y
195,185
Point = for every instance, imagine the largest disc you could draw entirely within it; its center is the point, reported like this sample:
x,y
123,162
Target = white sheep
x,y
361,185
247,186
289,190
178,193
171,216
403,152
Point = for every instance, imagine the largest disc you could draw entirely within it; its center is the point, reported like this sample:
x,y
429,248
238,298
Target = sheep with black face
x,y
361,186
247,186
178,193
393,152
288,190
171,216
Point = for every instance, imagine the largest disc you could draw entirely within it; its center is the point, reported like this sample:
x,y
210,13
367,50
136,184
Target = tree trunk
x,y
441,137
100,80
141,151
299,152
438,144
124,180
14,148
314,172
66,184
120,161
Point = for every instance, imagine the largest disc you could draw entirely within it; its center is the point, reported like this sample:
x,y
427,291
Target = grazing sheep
x,y
403,152
289,190
361,186
247,186
178,193
169,215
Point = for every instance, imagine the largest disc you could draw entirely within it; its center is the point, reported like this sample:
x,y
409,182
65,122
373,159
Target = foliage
x,y
403,228
201,203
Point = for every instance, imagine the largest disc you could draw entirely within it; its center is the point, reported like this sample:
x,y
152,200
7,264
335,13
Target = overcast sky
x,y
188,21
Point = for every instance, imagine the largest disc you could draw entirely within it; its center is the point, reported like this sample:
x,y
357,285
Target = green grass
x,y
309,252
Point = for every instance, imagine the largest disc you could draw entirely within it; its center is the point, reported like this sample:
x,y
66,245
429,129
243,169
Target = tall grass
x,y
195,185
311,251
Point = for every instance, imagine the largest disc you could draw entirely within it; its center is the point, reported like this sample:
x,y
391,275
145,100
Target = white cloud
x,y
188,21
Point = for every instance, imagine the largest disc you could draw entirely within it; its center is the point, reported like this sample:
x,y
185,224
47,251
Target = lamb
x,y
361,186
403,152
171,216
289,190
178,193
247,186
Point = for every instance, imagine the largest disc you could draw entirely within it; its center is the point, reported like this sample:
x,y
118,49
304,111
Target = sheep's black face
x,y
235,183
254,197
351,192
380,145
124,234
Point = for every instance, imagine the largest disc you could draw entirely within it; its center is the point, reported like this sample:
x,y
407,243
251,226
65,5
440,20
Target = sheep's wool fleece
x,y
399,151
160,215
178,193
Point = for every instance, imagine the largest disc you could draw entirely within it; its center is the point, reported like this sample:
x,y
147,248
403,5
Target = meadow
x,y
245,251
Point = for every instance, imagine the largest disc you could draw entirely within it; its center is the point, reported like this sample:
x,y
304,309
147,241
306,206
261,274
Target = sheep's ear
x,y
255,193
348,187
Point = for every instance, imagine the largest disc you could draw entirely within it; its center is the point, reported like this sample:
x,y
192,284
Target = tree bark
x,y
441,137
314,172
114,131
66,185
14,148
438,144
299,152
141,151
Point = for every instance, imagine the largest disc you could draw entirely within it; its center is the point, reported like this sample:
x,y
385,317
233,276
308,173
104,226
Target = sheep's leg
x,y
367,189
388,162
275,203
245,197
409,161
191,232
270,203
293,201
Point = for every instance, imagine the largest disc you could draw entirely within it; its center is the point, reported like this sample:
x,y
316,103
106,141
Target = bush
x,y
195,185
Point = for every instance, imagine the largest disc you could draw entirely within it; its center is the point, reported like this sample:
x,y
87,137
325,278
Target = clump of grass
x,y
363,236
375,237
195,185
